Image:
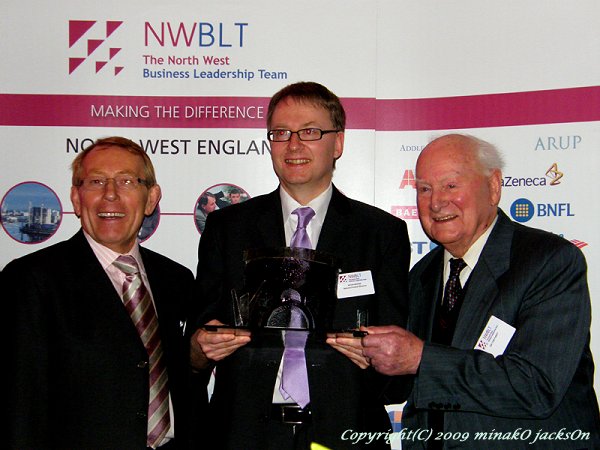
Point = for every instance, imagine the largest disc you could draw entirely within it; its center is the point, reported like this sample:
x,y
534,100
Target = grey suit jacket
x,y
343,397
543,383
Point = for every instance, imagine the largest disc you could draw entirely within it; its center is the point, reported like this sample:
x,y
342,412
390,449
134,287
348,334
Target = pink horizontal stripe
x,y
476,111
490,110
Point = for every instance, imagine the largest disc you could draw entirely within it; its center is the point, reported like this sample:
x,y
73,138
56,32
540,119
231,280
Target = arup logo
x,y
408,179
79,28
522,210
558,142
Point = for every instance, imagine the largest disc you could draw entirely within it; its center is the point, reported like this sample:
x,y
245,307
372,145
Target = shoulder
x,y
53,254
536,243
163,263
367,216
426,261
237,217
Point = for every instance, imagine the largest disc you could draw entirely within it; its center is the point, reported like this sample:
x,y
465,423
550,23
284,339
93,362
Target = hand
x,y
392,350
209,346
350,347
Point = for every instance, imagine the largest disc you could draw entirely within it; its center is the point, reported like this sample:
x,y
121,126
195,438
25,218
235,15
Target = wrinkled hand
x,y
209,346
350,347
392,350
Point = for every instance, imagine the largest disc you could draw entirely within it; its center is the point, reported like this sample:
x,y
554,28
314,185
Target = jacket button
x,y
142,364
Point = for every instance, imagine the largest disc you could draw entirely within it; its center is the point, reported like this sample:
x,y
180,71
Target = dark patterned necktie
x,y
453,292
138,303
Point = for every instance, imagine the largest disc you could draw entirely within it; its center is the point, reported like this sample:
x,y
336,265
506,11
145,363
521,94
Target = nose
x,y
294,142
110,190
438,199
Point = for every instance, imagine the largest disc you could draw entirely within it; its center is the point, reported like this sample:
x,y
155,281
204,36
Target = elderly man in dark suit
x,y
499,327
96,354
306,129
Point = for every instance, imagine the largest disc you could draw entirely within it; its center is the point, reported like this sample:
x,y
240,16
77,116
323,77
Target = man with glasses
x,y
306,125
95,320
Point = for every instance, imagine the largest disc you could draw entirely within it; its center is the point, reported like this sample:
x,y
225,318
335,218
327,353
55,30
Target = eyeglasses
x,y
122,183
305,134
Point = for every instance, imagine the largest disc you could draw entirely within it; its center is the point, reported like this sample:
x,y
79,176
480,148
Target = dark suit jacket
x,y
343,397
536,282
78,375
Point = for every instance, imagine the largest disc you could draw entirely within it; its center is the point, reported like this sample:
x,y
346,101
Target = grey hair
x,y
487,154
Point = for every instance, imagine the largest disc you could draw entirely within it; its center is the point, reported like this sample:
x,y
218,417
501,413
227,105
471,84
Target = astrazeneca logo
x,y
87,41
552,174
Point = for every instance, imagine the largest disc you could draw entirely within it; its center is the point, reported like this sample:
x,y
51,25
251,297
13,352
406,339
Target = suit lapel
x,y
482,289
100,293
431,283
337,221
269,222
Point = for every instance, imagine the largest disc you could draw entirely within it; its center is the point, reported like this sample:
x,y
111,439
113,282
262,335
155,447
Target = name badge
x,y
495,337
353,284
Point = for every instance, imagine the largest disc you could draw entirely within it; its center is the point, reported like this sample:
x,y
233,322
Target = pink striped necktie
x,y
141,309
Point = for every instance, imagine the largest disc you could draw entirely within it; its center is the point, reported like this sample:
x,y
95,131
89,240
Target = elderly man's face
x,y
457,202
112,216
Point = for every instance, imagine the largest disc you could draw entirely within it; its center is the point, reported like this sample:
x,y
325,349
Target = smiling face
x,y
111,216
304,168
457,201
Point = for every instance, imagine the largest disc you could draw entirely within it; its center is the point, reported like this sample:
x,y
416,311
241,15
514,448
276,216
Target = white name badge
x,y
495,337
353,284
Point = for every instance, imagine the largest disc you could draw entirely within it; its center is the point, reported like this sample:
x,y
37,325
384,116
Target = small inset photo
x,y
149,225
215,197
31,212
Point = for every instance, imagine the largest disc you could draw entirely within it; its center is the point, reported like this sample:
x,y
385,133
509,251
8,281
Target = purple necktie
x,y
294,378
300,237
139,305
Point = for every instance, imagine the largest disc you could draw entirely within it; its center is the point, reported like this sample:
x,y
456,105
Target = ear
x,y
495,186
75,200
339,145
154,196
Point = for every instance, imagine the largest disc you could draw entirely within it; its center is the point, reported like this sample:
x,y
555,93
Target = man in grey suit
x,y
478,385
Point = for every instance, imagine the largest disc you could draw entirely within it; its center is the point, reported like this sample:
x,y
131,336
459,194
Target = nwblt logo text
x,y
202,34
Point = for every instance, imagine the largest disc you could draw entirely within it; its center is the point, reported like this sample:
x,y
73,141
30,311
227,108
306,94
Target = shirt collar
x,y
319,204
106,256
472,255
